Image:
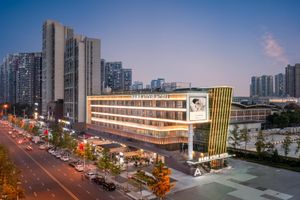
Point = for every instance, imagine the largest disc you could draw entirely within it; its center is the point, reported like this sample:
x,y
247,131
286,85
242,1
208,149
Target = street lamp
x,y
5,106
84,142
18,183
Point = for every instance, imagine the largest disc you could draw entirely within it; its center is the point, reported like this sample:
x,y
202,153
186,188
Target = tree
x,y
286,144
26,127
275,156
104,162
35,130
161,185
270,146
298,146
9,177
245,137
57,132
88,150
234,137
115,169
260,142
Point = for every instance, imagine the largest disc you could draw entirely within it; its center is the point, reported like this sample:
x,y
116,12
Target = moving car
x,y
29,148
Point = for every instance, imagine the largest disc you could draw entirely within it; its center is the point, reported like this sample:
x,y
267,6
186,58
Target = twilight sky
x,y
206,42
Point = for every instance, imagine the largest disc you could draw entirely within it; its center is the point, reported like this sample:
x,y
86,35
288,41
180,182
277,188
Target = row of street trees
x,y
9,177
237,136
62,139
29,127
261,145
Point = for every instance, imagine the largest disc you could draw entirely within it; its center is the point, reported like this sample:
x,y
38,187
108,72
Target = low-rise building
x,y
197,119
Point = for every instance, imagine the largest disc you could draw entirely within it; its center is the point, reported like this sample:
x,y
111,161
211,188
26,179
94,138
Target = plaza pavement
x,y
241,181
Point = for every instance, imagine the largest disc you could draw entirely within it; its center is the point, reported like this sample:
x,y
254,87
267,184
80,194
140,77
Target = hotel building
x,y
197,118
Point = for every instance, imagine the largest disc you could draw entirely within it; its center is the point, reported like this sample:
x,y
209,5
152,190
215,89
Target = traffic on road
x,y
51,173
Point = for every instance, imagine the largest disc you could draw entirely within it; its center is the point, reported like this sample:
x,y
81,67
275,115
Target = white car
x,y
64,158
91,174
58,154
51,151
29,148
42,146
79,168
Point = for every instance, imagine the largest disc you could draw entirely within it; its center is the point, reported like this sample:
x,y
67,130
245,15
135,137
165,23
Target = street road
x,y
45,177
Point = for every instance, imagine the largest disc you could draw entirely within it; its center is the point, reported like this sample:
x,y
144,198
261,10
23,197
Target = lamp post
x,y
18,183
5,108
84,143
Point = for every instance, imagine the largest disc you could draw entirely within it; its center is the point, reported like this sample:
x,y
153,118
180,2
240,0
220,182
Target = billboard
x,y
198,108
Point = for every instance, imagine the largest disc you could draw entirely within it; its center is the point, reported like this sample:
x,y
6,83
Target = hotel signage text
x,y
150,96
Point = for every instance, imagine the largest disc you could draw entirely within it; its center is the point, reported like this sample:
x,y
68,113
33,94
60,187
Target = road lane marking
x,y
48,189
49,174
35,194
53,195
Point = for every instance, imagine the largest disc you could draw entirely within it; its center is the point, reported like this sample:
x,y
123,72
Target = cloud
x,y
273,49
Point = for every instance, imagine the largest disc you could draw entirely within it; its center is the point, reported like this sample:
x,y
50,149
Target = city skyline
x,y
225,42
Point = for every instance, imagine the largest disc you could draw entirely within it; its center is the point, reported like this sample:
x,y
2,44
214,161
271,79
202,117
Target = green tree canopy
x,y
286,144
234,137
245,137
260,142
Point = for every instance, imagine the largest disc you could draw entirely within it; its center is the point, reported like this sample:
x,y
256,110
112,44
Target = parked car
x,y
99,180
73,163
51,151
90,174
58,154
64,158
109,186
43,146
79,168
